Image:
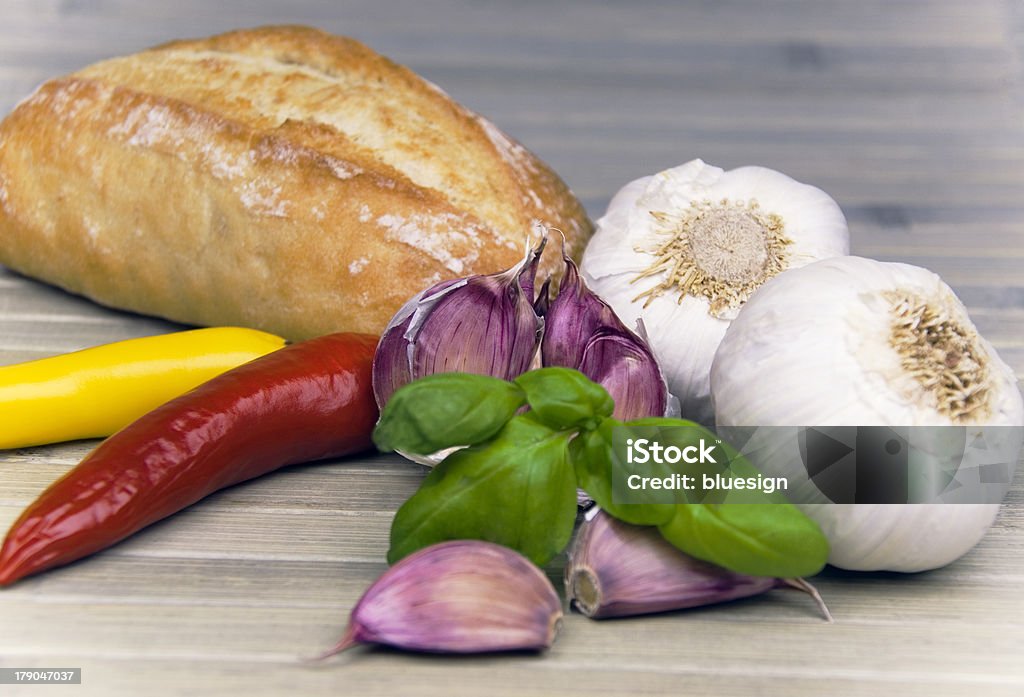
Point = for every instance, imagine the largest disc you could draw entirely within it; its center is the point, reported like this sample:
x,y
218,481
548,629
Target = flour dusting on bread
x,y
436,236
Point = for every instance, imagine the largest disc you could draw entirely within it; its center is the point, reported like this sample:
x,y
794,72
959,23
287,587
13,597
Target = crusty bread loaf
x,y
279,178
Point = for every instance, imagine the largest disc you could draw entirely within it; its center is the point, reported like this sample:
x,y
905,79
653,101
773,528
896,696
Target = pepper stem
x,y
805,587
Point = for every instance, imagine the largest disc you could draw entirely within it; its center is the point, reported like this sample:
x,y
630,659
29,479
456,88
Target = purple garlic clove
x,y
583,332
618,570
572,318
481,324
627,369
464,596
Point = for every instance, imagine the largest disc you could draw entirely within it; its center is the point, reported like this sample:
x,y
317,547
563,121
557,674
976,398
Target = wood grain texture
x,y
910,113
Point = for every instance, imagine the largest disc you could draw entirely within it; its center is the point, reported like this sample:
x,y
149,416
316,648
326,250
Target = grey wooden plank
x,y
909,113
665,643
359,486
763,73
924,19
528,676
205,532
269,587
71,333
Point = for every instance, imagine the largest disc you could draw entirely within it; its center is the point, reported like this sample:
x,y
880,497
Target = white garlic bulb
x,y
685,248
857,342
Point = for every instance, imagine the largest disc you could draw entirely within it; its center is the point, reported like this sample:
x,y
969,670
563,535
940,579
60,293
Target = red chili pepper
x,y
308,401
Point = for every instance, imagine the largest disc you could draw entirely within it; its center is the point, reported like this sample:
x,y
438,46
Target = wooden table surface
x,y
910,113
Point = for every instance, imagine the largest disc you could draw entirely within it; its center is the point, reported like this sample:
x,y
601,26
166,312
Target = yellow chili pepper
x,y
94,392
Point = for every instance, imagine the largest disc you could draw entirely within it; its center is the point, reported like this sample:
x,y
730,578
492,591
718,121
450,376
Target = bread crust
x,y
280,178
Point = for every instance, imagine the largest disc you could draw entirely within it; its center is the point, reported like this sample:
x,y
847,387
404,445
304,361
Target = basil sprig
x,y
516,482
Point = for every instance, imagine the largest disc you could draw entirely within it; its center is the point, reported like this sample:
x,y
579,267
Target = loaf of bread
x,y
278,178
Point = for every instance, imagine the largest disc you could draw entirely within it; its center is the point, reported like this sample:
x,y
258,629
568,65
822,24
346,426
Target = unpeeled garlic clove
x,y
626,368
481,324
463,596
583,332
618,570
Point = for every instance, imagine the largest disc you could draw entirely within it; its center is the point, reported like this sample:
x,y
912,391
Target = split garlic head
x,y
684,250
857,342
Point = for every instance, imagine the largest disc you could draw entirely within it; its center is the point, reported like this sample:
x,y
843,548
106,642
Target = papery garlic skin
x,y
816,347
800,224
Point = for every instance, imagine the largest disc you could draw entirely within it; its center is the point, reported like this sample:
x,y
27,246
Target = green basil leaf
x,y
517,490
727,461
564,398
756,539
596,461
446,410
